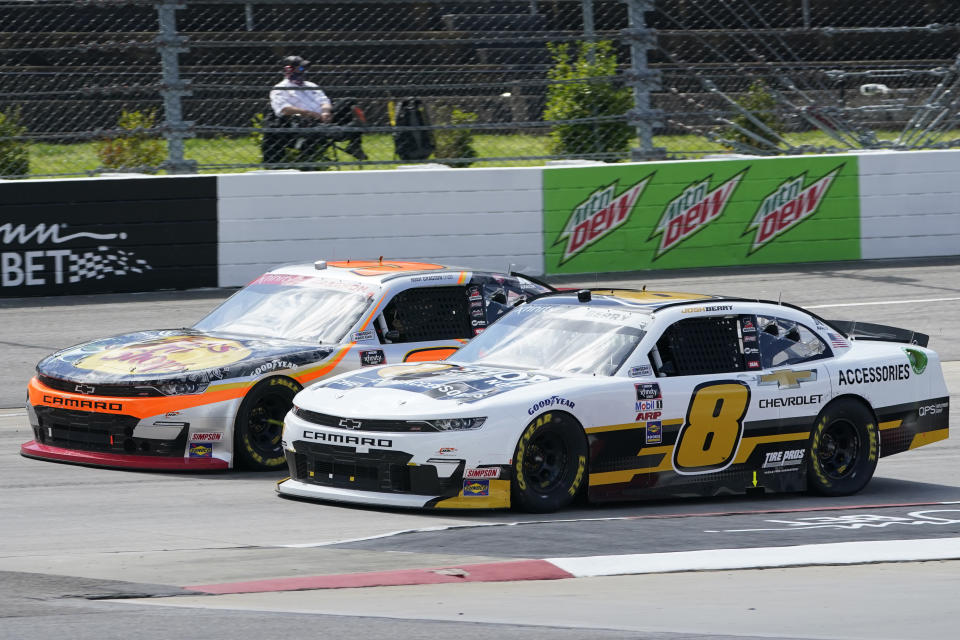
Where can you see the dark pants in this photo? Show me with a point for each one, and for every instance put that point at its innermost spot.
(308, 137)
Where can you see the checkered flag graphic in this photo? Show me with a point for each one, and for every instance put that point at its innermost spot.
(104, 262)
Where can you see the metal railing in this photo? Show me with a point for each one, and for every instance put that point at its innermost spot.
(89, 87)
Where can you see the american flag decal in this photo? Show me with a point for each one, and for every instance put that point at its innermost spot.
(837, 341)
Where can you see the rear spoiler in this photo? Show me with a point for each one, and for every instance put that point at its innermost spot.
(868, 331)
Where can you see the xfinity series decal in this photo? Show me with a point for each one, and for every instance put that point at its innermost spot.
(788, 205)
(598, 216)
(441, 380)
(691, 211)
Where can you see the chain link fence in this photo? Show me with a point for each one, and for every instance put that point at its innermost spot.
(155, 86)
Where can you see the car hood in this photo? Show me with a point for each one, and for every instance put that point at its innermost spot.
(177, 354)
(415, 388)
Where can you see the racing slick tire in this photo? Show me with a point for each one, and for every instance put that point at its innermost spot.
(844, 448)
(549, 463)
(258, 429)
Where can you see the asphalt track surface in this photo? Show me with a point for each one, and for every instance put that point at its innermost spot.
(94, 553)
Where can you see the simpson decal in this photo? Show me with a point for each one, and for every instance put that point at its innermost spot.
(485, 473)
(599, 215)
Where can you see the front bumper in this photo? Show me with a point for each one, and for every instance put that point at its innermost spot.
(34, 449)
(128, 433)
(418, 470)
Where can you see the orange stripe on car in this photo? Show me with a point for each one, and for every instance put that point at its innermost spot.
(42, 395)
(325, 368)
(429, 353)
(372, 315)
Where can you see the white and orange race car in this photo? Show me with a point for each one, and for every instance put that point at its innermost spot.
(214, 396)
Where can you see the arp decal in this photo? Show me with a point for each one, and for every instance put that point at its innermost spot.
(173, 354)
(788, 205)
(599, 215)
(691, 211)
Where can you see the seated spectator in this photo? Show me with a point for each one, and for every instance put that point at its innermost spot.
(297, 103)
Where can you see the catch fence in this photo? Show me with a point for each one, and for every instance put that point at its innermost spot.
(91, 87)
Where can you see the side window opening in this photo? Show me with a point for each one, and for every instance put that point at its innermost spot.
(425, 314)
(696, 346)
(785, 342)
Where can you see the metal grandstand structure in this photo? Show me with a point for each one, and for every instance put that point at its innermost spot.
(688, 78)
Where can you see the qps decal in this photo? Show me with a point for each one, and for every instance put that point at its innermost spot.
(692, 210)
(790, 204)
(99, 236)
(597, 216)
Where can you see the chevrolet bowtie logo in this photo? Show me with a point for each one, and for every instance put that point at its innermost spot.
(84, 388)
(347, 423)
(788, 378)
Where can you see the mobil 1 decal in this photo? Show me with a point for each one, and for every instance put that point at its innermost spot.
(700, 214)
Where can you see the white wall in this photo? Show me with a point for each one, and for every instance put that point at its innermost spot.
(910, 204)
(483, 218)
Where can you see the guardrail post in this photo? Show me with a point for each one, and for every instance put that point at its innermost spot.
(642, 79)
(171, 45)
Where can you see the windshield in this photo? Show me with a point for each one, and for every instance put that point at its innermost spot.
(562, 338)
(290, 310)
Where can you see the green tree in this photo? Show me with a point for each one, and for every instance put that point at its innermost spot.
(14, 154)
(584, 87)
(137, 149)
(457, 143)
(761, 104)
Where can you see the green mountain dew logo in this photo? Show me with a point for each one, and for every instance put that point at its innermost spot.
(789, 205)
(599, 215)
(917, 358)
(691, 211)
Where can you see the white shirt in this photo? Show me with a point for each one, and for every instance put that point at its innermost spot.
(282, 96)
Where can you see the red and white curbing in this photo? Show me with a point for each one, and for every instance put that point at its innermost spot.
(596, 566)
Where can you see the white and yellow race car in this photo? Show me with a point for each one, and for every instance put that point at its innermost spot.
(622, 395)
(214, 396)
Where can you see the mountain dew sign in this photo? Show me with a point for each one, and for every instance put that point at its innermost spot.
(699, 214)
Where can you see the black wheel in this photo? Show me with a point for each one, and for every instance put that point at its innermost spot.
(259, 426)
(549, 463)
(844, 448)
